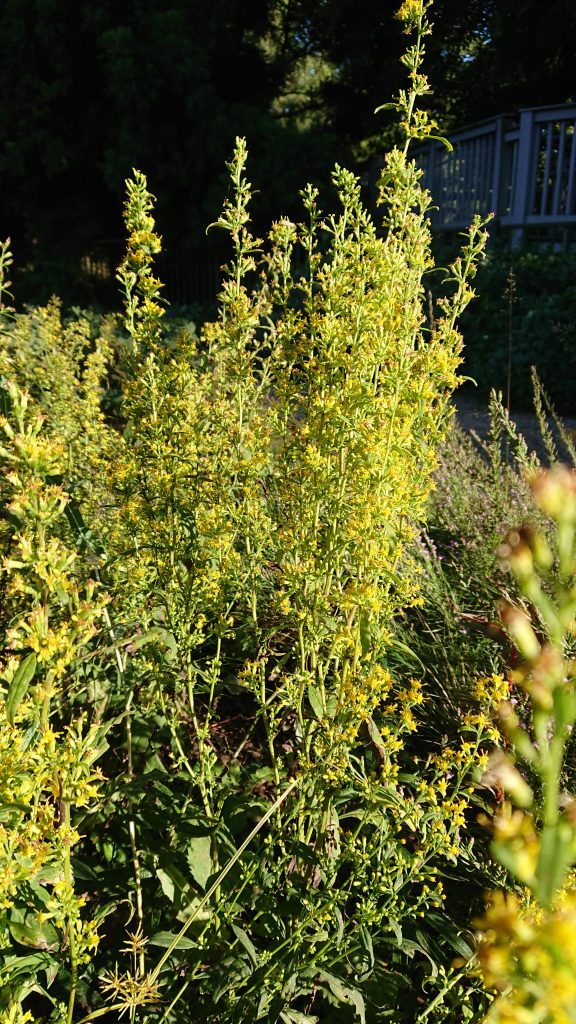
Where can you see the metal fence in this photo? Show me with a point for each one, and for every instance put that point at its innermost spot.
(189, 277)
(523, 170)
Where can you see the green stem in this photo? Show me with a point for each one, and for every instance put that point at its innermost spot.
(69, 883)
(190, 676)
(438, 999)
(132, 832)
(217, 883)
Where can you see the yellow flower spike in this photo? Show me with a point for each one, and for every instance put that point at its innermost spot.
(529, 956)
(503, 918)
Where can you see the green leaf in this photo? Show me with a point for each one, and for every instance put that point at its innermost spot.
(295, 1017)
(174, 883)
(409, 947)
(12, 966)
(554, 861)
(8, 811)
(394, 925)
(340, 922)
(177, 889)
(49, 874)
(167, 883)
(376, 739)
(367, 946)
(396, 645)
(43, 896)
(315, 698)
(331, 705)
(344, 994)
(365, 632)
(34, 934)
(154, 764)
(199, 857)
(18, 687)
(429, 951)
(51, 970)
(165, 939)
(156, 633)
(246, 944)
(459, 945)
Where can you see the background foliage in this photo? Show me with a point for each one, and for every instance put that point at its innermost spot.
(206, 757)
(92, 91)
(243, 751)
(525, 316)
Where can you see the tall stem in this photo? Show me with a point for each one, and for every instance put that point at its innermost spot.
(69, 883)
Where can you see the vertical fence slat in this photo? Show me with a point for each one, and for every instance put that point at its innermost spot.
(477, 148)
(571, 184)
(473, 175)
(547, 170)
(496, 182)
(464, 196)
(511, 180)
(525, 178)
(484, 200)
(559, 177)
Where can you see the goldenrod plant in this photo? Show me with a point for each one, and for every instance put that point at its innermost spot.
(48, 753)
(62, 367)
(265, 845)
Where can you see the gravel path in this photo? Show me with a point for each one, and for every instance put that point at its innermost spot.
(472, 415)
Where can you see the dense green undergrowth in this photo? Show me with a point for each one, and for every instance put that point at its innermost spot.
(524, 316)
(248, 706)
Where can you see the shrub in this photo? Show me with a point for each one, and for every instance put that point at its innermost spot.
(276, 851)
(524, 317)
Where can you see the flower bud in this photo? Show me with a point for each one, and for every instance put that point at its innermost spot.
(502, 774)
(555, 492)
(520, 628)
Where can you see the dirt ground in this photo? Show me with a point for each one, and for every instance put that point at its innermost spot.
(472, 415)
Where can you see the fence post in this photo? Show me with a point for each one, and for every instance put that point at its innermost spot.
(524, 178)
(497, 165)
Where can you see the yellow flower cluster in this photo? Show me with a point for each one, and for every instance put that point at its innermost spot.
(530, 960)
(492, 690)
(36, 780)
(59, 362)
(479, 722)
(52, 615)
(362, 694)
(411, 10)
(464, 759)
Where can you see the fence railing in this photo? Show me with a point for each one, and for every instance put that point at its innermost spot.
(191, 276)
(521, 169)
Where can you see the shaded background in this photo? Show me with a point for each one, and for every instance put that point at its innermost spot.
(92, 89)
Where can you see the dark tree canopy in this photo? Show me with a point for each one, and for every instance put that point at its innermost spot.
(489, 57)
(91, 90)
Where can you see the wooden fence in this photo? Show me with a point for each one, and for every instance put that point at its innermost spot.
(523, 170)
